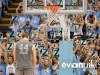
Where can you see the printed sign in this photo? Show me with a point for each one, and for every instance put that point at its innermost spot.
(10, 46)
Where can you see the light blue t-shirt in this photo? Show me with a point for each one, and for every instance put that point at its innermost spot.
(44, 16)
(77, 70)
(35, 21)
(15, 28)
(47, 22)
(98, 30)
(54, 29)
(97, 15)
(55, 71)
(90, 12)
(49, 72)
(37, 69)
(78, 58)
(22, 19)
(3, 68)
(93, 71)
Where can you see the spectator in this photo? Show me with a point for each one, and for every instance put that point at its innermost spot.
(46, 67)
(54, 26)
(10, 67)
(28, 27)
(97, 12)
(77, 25)
(91, 23)
(15, 27)
(3, 7)
(3, 65)
(34, 21)
(4, 49)
(95, 59)
(72, 26)
(55, 66)
(37, 70)
(1, 73)
(20, 16)
(42, 30)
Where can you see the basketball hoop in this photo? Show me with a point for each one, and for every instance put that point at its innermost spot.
(53, 14)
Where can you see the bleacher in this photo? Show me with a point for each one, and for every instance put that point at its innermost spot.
(5, 21)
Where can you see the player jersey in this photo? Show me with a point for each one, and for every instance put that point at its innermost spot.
(24, 54)
(10, 69)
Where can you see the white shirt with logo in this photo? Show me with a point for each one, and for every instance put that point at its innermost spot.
(10, 69)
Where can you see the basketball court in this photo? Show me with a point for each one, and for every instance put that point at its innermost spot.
(58, 9)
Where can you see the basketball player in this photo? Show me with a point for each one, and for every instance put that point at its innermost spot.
(24, 56)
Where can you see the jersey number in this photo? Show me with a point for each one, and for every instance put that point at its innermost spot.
(22, 47)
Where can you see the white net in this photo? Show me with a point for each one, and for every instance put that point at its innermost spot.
(52, 15)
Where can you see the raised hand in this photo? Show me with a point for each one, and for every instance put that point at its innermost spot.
(20, 4)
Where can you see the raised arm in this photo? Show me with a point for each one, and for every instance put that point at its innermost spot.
(34, 58)
(95, 21)
(49, 25)
(18, 24)
(86, 20)
(88, 57)
(14, 53)
(10, 23)
(45, 30)
(20, 4)
(58, 26)
(50, 59)
(82, 22)
(40, 57)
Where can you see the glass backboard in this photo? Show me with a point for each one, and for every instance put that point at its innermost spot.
(67, 6)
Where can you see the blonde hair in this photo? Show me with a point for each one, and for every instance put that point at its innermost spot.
(78, 19)
(46, 58)
(25, 34)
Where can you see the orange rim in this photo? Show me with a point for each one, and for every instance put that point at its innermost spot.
(53, 8)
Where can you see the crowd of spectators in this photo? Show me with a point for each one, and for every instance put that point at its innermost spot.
(45, 34)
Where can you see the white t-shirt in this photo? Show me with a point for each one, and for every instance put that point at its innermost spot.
(78, 30)
(10, 69)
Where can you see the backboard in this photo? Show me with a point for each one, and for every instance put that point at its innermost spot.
(67, 6)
